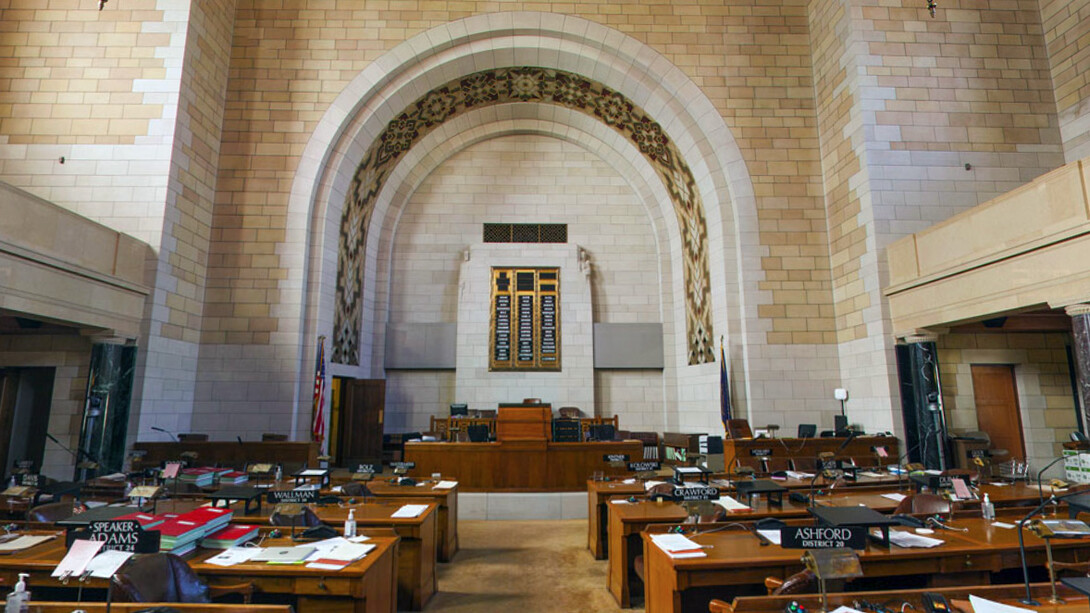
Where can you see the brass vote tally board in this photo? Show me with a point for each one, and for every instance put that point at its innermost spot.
(524, 327)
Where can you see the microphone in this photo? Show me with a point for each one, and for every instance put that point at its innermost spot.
(239, 440)
(158, 429)
(1022, 544)
(1040, 488)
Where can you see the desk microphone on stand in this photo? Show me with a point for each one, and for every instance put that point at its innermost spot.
(1028, 600)
(172, 435)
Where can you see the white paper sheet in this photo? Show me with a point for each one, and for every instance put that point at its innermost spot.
(234, 555)
(794, 474)
(619, 501)
(895, 497)
(313, 472)
(650, 484)
(771, 535)
(678, 546)
(445, 485)
(410, 510)
(106, 563)
(730, 504)
(983, 605)
(1003, 524)
(908, 539)
(78, 557)
(23, 542)
(844, 609)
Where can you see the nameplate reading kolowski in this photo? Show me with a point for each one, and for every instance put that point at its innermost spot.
(696, 493)
(640, 467)
(760, 453)
(119, 535)
(615, 457)
(293, 496)
(822, 537)
(405, 465)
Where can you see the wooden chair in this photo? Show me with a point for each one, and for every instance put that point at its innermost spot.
(802, 582)
(54, 511)
(923, 503)
(164, 577)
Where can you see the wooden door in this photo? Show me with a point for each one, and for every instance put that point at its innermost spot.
(997, 408)
(363, 403)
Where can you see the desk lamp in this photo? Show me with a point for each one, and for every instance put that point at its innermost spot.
(826, 564)
(772, 430)
(291, 510)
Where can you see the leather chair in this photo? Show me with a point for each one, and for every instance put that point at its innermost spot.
(164, 577)
(307, 520)
(805, 465)
(747, 462)
(775, 465)
(923, 503)
(354, 488)
(661, 489)
(738, 428)
(802, 582)
(55, 511)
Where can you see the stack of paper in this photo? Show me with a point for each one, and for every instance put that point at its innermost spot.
(730, 504)
(105, 564)
(212, 519)
(337, 553)
(22, 542)
(678, 546)
(444, 485)
(231, 536)
(201, 477)
(794, 474)
(410, 510)
(234, 477)
(895, 497)
(234, 555)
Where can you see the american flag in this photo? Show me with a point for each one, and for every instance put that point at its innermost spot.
(724, 386)
(318, 430)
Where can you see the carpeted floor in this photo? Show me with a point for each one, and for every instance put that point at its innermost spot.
(523, 567)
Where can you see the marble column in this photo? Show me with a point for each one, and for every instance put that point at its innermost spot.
(1080, 332)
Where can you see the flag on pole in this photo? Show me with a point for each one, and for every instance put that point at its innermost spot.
(724, 386)
(318, 428)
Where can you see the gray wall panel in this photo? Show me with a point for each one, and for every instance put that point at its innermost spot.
(419, 346)
(628, 346)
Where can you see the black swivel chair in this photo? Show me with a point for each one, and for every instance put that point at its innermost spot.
(807, 430)
(478, 433)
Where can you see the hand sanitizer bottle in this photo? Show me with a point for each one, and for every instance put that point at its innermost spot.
(987, 509)
(19, 599)
(350, 524)
(279, 473)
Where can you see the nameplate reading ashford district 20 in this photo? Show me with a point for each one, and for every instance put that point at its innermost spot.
(696, 493)
(760, 453)
(615, 457)
(821, 537)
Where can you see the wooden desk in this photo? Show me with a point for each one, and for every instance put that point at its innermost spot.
(737, 561)
(1007, 594)
(416, 579)
(447, 510)
(134, 607)
(520, 466)
(627, 521)
(365, 586)
(858, 447)
(229, 453)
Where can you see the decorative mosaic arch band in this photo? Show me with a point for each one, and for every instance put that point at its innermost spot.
(525, 84)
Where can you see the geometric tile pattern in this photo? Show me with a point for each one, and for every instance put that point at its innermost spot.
(509, 85)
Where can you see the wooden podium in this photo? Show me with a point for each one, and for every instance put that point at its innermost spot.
(524, 422)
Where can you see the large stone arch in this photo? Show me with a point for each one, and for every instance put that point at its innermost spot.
(617, 62)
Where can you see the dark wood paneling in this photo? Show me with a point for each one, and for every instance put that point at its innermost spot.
(362, 408)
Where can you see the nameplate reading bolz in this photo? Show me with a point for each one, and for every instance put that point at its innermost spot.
(405, 465)
(823, 537)
(293, 496)
(30, 480)
(760, 453)
(978, 453)
(119, 535)
(24, 464)
(696, 493)
(639, 467)
(615, 457)
(367, 468)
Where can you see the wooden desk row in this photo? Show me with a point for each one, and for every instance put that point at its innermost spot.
(365, 586)
(737, 562)
(626, 522)
(521, 466)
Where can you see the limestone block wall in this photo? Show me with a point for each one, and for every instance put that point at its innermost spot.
(70, 355)
(1066, 27)
(1042, 379)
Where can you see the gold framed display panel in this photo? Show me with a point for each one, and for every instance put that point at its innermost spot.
(524, 319)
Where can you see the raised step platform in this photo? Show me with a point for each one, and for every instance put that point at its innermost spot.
(530, 505)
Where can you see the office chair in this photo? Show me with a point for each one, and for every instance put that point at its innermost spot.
(923, 503)
(802, 582)
(164, 577)
(308, 519)
(807, 430)
(478, 433)
(355, 488)
(54, 511)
